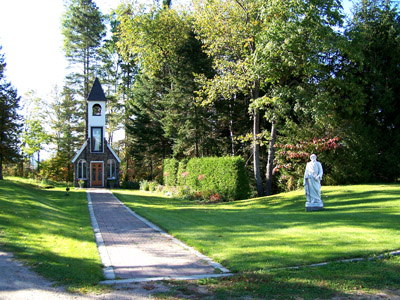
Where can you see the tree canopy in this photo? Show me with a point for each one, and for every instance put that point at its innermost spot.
(271, 81)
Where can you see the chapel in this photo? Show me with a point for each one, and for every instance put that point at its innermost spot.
(96, 163)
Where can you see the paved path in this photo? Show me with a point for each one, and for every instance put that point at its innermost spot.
(133, 249)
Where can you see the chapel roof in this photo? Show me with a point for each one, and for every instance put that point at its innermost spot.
(97, 93)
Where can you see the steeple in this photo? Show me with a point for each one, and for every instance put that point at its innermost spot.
(96, 93)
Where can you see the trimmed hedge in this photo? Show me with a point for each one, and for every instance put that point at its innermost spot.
(182, 174)
(170, 170)
(211, 175)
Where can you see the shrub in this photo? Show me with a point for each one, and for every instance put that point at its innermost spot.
(144, 185)
(170, 170)
(153, 186)
(223, 175)
(216, 197)
(133, 185)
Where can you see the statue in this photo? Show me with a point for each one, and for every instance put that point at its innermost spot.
(312, 184)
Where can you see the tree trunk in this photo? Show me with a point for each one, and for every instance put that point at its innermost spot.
(255, 92)
(231, 125)
(271, 156)
(256, 153)
(196, 138)
(38, 161)
(1, 167)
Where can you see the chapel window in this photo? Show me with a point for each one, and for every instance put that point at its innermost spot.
(97, 139)
(111, 168)
(82, 166)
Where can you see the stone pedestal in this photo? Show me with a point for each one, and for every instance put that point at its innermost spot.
(314, 208)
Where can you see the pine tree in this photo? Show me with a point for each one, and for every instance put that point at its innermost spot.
(83, 29)
(10, 120)
(66, 133)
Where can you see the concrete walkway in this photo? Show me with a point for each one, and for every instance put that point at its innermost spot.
(133, 250)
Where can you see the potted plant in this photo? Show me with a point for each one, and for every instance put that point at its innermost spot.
(81, 183)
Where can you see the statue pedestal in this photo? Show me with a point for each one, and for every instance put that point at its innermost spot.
(314, 208)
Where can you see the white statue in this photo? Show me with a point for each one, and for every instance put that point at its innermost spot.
(312, 184)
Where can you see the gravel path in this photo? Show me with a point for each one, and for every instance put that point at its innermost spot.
(17, 282)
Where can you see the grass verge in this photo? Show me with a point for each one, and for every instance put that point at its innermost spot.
(256, 237)
(51, 232)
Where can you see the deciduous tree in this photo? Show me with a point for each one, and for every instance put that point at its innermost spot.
(269, 50)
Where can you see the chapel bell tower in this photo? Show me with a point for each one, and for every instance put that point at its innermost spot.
(96, 127)
(96, 164)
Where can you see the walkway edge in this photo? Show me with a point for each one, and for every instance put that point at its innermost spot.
(190, 249)
(135, 280)
(108, 270)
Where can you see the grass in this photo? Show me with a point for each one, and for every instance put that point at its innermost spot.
(256, 237)
(51, 232)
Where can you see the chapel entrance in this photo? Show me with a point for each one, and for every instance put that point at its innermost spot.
(97, 174)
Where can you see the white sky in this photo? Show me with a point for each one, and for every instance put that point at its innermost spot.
(31, 38)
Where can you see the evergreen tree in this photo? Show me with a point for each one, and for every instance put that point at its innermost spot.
(65, 130)
(83, 29)
(10, 120)
(149, 146)
(375, 120)
(117, 78)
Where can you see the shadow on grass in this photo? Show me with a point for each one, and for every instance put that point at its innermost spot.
(60, 269)
(338, 279)
(49, 231)
(34, 210)
(276, 231)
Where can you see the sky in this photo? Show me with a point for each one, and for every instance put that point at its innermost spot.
(31, 39)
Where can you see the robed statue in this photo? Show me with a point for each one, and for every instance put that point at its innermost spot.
(312, 184)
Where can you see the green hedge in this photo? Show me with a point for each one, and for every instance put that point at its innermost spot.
(170, 170)
(182, 174)
(224, 175)
(209, 175)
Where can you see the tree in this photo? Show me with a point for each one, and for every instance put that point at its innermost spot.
(164, 46)
(373, 123)
(10, 120)
(65, 133)
(268, 50)
(34, 136)
(83, 29)
(117, 78)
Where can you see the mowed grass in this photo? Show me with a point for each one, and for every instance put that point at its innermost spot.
(50, 232)
(257, 237)
(274, 232)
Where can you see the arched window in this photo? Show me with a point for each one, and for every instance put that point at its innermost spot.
(111, 168)
(96, 110)
(82, 166)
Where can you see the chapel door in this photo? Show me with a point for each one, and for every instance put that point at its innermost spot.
(97, 174)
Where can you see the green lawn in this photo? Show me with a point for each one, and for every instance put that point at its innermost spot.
(50, 231)
(254, 237)
(274, 232)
